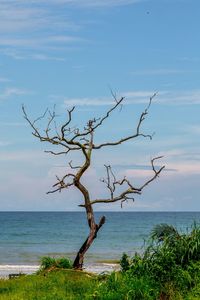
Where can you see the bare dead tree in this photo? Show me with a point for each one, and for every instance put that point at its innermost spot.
(70, 139)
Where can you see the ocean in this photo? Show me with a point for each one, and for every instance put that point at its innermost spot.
(28, 236)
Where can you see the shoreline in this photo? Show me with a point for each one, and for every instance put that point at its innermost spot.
(96, 268)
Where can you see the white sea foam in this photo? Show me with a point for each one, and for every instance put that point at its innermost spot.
(99, 268)
(96, 268)
(5, 270)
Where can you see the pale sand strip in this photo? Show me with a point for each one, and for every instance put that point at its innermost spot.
(96, 268)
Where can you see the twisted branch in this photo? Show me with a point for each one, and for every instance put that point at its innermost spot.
(130, 190)
(133, 136)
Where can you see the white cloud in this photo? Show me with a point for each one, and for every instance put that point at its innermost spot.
(12, 91)
(165, 97)
(39, 42)
(185, 162)
(139, 97)
(33, 25)
(45, 57)
(98, 3)
(43, 25)
(80, 3)
(88, 101)
(130, 97)
(21, 55)
(188, 168)
(180, 97)
(23, 16)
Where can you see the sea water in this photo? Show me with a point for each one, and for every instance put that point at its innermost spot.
(28, 236)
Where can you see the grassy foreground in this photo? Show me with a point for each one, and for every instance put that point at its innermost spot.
(69, 284)
(169, 269)
(55, 285)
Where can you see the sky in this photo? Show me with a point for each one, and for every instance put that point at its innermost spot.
(75, 52)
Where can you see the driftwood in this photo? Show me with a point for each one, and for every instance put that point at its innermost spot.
(15, 275)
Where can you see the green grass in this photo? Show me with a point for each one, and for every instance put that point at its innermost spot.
(48, 262)
(56, 285)
(169, 269)
(75, 285)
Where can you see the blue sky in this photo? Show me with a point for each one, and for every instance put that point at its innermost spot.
(72, 53)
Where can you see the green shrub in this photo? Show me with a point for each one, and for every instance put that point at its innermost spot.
(63, 263)
(124, 262)
(47, 262)
(171, 262)
(51, 262)
(123, 286)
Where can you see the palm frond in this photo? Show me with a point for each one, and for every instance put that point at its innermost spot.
(162, 231)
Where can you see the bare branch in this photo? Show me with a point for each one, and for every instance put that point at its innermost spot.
(60, 184)
(55, 140)
(118, 102)
(32, 124)
(63, 128)
(115, 97)
(71, 138)
(56, 153)
(131, 190)
(156, 172)
(133, 136)
(52, 117)
(73, 167)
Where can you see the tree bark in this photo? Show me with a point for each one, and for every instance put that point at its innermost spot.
(78, 262)
(81, 140)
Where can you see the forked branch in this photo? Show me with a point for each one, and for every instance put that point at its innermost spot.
(129, 189)
(138, 132)
(61, 184)
(67, 138)
(72, 139)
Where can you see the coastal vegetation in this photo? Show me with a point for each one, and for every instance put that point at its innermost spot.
(168, 269)
(48, 263)
(67, 139)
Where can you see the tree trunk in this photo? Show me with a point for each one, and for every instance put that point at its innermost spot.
(78, 262)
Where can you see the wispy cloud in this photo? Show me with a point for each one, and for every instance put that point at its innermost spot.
(190, 97)
(12, 91)
(181, 167)
(44, 25)
(44, 57)
(88, 101)
(141, 97)
(187, 168)
(140, 167)
(180, 97)
(35, 26)
(99, 3)
(190, 156)
(18, 54)
(39, 42)
(79, 3)
(134, 96)
(23, 16)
